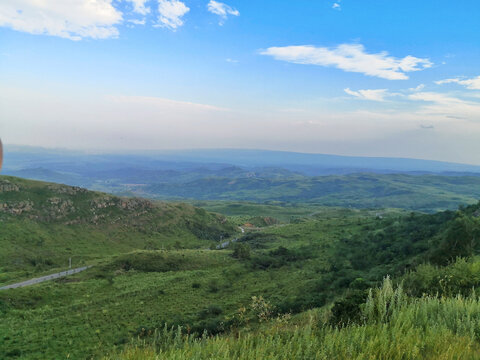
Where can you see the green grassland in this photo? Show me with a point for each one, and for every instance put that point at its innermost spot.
(427, 193)
(153, 268)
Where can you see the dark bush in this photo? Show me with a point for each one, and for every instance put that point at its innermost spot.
(347, 310)
(213, 286)
(241, 251)
(210, 311)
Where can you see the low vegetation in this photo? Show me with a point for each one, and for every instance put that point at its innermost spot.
(390, 325)
(285, 289)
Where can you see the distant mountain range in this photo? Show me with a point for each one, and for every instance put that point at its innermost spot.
(22, 157)
(256, 175)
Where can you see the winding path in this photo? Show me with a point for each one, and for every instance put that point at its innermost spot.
(227, 243)
(45, 278)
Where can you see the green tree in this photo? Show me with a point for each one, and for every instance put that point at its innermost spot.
(241, 251)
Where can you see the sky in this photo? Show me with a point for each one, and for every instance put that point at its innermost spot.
(349, 77)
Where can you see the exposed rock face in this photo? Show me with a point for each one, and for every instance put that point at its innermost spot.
(136, 204)
(102, 203)
(125, 204)
(6, 186)
(17, 208)
(58, 206)
(68, 190)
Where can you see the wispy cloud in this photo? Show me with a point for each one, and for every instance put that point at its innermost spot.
(139, 7)
(417, 88)
(74, 19)
(164, 103)
(351, 58)
(447, 105)
(222, 10)
(171, 13)
(373, 95)
(337, 6)
(472, 84)
(138, 21)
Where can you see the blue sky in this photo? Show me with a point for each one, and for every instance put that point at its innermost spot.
(374, 78)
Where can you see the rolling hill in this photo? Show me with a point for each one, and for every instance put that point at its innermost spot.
(44, 224)
(257, 176)
(412, 192)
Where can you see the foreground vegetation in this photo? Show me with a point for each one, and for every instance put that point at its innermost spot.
(293, 287)
(391, 325)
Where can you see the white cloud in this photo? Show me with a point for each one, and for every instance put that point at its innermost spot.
(374, 95)
(171, 13)
(351, 58)
(222, 10)
(139, 7)
(138, 21)
(71, 19)
(336, 6)
(448, 106)
(418, 88)
(472, 84)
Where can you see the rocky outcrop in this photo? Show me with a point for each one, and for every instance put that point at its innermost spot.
(17, 208)
(72, 205)
(58, 207)
(6, 186)
(124, 204)
(68, 190)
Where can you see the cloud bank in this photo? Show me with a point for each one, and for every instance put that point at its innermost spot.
(70, 19)
(80, 19)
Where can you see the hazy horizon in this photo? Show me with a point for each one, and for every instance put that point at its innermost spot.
(328, 77)
(159, 152)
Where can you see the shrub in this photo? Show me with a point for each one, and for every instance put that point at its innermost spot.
(210, 311)
(213, 286)
(348, 309)
(241, 251)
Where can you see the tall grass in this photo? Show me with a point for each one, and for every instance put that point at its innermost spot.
(393, 326)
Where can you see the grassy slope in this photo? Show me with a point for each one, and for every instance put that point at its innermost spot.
(92, 312)
(294, 266)
(393, 326)
(42, 225)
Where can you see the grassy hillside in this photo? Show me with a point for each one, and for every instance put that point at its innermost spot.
(391, 325)
(288, 268)
(44, 224)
